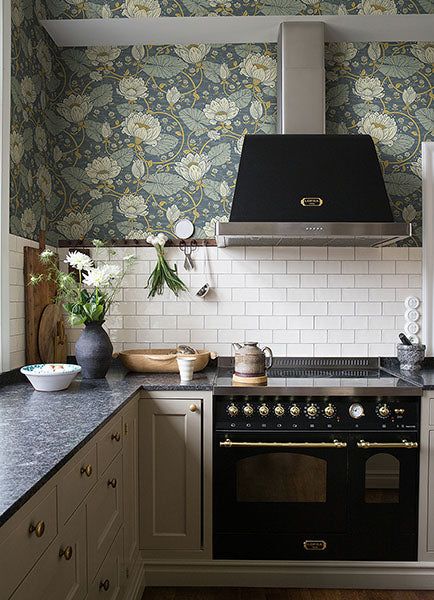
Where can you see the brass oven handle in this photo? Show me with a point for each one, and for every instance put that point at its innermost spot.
(334, 444)
(403, 444)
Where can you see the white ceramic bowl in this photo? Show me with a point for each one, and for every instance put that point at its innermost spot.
(45, 379)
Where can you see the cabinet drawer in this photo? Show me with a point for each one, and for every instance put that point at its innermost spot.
(61, 572)
(27, 542)
(79, 478)
(104, 514)
(108, 582)
(109, 444)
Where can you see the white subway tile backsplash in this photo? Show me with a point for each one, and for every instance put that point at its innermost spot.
(272, 294)
(301, 301)
(314, 308)
(382, 266)
(355, 267)
(299, 266)
(313, 253)
(328, 266)
(313, 281)
(340, 281)
(327, 322)
(328, 294)
(286, 308)
(341, 308)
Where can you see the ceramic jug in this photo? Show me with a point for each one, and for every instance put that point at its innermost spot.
(251, 360)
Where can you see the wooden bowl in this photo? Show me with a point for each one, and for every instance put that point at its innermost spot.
(159, 360)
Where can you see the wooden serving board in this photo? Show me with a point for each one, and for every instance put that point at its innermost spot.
(36, 298)
(51, 335)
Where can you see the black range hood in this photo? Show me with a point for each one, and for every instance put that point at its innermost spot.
(303, 187)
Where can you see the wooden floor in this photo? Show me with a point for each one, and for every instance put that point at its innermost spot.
(279, 594)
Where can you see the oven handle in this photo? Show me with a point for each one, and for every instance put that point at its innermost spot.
(403, 444)
(334, 444)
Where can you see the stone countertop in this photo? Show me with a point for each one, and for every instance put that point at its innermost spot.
(41, 431)
(423, 378)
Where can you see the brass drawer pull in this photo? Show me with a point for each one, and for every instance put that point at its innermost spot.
(112, 482)
(37, 529)
(86, 470)
(104, 585)
(66, 553)
(116, 436)
(193, 408)
(403, 444)
(334, 444)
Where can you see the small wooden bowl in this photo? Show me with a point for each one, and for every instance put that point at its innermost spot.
(159, 360)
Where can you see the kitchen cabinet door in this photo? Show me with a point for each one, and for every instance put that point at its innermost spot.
(170, 459)
(130, 484)
(61, 572)
(104, 514)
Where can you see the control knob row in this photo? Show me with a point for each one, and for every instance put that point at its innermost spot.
(312, 410)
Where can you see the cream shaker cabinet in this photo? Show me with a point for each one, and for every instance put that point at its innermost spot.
(170, 467)
(67, 541)
(61, 572)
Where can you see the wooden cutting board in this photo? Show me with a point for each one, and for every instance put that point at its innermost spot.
(36, 299)
(51, 335)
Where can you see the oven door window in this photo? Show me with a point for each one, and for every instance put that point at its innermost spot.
(281, 477)
(382, 479)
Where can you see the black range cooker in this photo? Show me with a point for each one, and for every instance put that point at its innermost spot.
(322, 463)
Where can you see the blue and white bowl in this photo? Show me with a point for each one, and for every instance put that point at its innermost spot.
(51, 377)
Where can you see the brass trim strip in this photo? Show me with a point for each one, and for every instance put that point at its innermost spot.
(334, 444)
(403, 444)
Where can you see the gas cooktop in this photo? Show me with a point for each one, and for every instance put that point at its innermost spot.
(318, 376)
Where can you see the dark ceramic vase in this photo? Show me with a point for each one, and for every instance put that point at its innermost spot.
(93, 351)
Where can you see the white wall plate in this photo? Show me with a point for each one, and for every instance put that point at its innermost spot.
(412, 328)
(412, 302)
(412, 314)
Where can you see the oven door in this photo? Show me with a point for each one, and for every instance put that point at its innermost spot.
(384, 482)
(276, 484)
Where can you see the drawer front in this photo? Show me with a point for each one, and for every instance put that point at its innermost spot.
(109, 444)
(61, 572)
(77, 482)
(108, 582)
(27, 542)
(104, 515)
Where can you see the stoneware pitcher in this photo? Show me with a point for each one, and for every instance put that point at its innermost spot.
(252, 361)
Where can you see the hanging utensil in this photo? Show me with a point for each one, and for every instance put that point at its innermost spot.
(187, 250)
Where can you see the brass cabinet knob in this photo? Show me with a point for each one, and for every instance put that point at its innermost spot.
(116, 436)
(193, 408)
(112, 482)
(86, 470)
(66, 553)
(104, 585)
(37, 529)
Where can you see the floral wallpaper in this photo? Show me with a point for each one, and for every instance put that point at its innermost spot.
(114, 142)
(386, 90)
(79, 9)
(32, 87)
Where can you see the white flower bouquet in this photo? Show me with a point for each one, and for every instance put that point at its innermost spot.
(163, 274)
(87, 293)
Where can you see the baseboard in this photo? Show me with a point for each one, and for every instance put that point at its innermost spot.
(416, 576)
(136, 582)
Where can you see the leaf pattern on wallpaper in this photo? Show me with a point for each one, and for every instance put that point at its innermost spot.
(386, 91)
(156, 132)
(79, 9)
